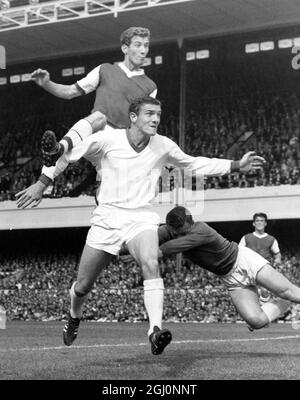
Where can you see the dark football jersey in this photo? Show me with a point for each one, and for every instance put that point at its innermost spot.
(203, 246)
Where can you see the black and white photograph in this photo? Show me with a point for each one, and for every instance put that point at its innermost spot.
(149, 195)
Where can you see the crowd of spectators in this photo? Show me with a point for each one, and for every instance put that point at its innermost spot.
(224, 104)
(27, 113)
(37, 288)
(259, 95)
(275, 121)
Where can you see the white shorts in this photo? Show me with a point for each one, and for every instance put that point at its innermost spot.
(112, 226)
(245, 269)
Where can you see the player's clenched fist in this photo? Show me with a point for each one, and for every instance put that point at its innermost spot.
(40, 76)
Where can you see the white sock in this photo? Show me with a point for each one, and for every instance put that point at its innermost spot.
(81, 130)
(275, 308)
(76, 303)
(154, 301)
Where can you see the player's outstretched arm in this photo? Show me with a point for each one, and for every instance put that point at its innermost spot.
(32, 195)
(42, 78)
(201, 165)
(211, 166)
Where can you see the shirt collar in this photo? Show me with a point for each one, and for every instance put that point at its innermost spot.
(128, 72)
(260, 236)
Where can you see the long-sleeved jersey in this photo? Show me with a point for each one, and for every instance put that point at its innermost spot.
(128, 177)
(203, 246)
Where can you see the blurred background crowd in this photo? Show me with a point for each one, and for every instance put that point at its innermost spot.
(36, 287)
(230, 108)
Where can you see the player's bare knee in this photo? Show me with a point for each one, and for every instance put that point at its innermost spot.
(258, 321)
(97, 121)
(82, 287)
(150, 268)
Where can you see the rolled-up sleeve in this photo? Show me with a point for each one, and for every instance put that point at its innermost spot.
(90, 82)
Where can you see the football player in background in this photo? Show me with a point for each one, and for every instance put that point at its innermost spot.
(264, 244)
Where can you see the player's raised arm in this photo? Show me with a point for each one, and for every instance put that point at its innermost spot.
(42, 78)
(86, 85)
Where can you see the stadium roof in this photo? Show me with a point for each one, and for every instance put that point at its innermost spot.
(190, 18)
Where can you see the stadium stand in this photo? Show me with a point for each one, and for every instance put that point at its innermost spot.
(223, 104)
(36, 288)
(36, 275)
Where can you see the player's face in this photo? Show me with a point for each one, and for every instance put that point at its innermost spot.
(184, 230)
(148, 119)
(137, 51)
(260, 224)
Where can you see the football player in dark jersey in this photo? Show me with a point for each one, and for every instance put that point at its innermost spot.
(116, 85)
(265, 245)
(240, 268)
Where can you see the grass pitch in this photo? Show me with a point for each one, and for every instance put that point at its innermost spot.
(121, 351)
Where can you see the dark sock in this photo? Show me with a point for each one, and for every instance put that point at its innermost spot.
(60, 149)
(68, 145)
(78, 294)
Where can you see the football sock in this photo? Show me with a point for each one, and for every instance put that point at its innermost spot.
(81, 130)
(77, 301)
(275, 308)
(153, 300)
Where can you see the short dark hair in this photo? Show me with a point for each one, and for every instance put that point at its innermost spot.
(136, 104)
(127, 35)
(260, 215)
(178, 216)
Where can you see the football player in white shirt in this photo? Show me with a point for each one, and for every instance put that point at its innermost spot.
(130, 161)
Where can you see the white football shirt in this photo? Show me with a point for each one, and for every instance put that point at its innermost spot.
(129, 178)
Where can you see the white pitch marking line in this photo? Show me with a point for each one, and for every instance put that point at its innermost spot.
(95, 346)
